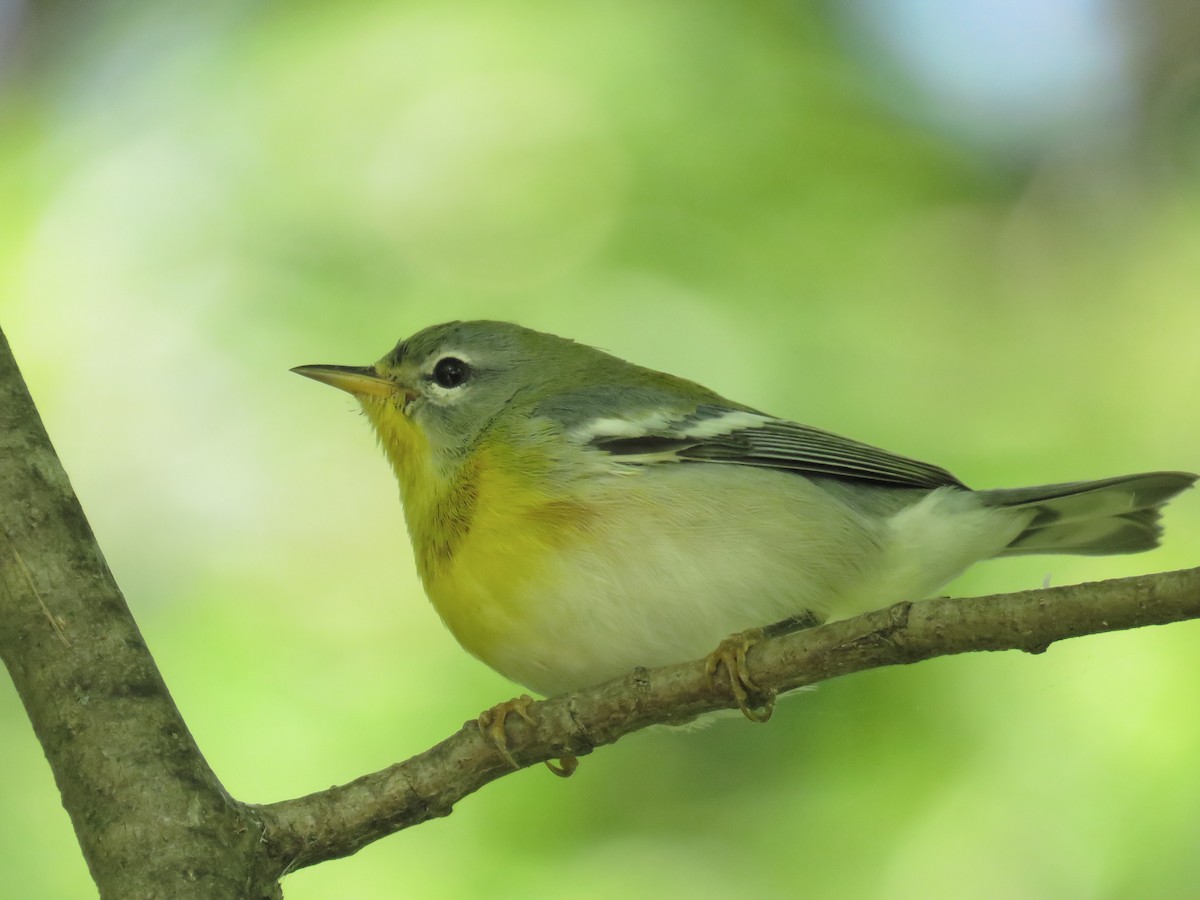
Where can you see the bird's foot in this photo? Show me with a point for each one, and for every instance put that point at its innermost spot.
(491, 724)
(756, 703)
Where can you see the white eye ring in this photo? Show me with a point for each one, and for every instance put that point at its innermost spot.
(448, 377)
(450, 372)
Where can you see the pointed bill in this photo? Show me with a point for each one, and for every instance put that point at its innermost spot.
(361, 381)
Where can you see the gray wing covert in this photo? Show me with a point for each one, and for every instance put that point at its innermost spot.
(755, 439)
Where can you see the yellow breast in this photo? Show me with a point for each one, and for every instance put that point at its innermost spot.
(480, 533)
(480, 583)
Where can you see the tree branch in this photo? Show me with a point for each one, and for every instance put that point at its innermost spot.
(152, 818)
(341, 820)
(149, 814)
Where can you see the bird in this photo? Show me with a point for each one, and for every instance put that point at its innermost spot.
(574, 516)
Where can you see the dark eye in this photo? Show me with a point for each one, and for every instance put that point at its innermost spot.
(451, 372)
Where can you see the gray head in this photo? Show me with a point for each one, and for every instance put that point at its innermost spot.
(452, 380)
(460, 375)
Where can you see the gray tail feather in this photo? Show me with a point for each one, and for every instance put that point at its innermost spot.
(1094, 518)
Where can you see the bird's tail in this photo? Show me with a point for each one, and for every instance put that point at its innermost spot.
(1093, 518)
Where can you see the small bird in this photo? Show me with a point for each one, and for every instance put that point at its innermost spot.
(574, 515)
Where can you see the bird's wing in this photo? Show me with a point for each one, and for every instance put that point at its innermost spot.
(716, 434)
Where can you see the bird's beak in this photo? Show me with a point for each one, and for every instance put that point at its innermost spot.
(361, 381)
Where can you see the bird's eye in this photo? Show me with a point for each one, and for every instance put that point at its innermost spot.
(451, 371)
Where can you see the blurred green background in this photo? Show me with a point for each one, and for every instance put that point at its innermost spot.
(971, 235)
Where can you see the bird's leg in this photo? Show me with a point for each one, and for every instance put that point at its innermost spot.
(755, 703)
(491, 724)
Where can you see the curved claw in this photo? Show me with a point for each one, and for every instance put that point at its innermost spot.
(491, 724)
(756, 703)
(566, 766)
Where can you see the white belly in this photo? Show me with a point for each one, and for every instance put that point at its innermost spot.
(660, 579)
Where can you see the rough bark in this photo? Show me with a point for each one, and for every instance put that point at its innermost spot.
(151, 817)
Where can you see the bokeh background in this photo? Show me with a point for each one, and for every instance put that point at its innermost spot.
(968, 232)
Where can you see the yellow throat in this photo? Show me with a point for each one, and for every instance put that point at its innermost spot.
(479, 534)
